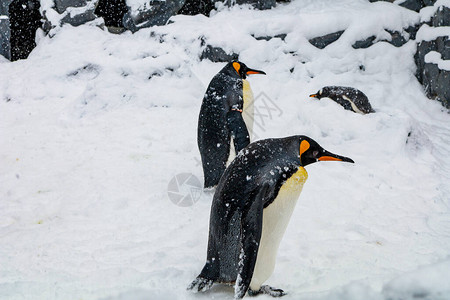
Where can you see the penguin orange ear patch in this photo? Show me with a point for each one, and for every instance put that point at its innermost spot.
(236, 66)
(304, 145)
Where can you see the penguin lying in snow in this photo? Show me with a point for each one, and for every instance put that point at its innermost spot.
(349, 98)
(222, 128)
(251, 209)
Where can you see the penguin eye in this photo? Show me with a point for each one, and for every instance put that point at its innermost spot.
(315, 153)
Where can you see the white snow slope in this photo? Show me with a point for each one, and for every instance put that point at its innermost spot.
(89, 141)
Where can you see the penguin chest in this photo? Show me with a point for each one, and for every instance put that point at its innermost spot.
(249, 107)
(247, 114)
(276, 217)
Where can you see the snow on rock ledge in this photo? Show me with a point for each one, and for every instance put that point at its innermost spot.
(434, 57)
(433, 52)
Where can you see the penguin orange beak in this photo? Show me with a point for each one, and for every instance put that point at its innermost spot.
(314, 96)
(251, 71)
(328, 156)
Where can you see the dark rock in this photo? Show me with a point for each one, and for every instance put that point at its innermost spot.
(364, 43)
(263, 38)
(158, 13)
(79, 19)
(217, 54)
(258, 4)
(397, 39)
(4, 7)
(24, 19)
(443, 88)
(281, 36)
(412, 31)
(112, 11)
(195, 7)
(428, 2)
(323, 41)
(437, 83)
(422, 49)
(415, 5)
(443, 47)
(441, 17)
(430, 75)
(62, 5)
(5, 36)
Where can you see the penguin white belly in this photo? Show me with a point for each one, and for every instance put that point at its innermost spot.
(248, 111)
(247, 114)
(276, 217)
(232, 154)
(355, 108)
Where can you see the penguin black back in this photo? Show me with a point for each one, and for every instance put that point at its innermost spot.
(348, 97)
(221, 118)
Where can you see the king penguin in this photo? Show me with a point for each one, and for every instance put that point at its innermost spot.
(225, 121)
(348, 97)
(251, 208)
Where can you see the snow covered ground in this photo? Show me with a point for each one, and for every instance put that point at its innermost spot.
(94, 126)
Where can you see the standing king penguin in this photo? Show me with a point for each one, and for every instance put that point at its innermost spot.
(223, 130)
(251, 209)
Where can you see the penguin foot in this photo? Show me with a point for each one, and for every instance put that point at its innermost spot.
(200, 284)
(267, 290)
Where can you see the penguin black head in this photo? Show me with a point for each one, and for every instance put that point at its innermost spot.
(243, 70)
(310, 152)
(320, 94)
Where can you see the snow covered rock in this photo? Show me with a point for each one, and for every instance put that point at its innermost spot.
(151, 13)
(77, 19)
(433, 52)
(217, 54)
(415, 5)
(62, 5)
(323, 41)
(258, 4)
(442, 17)
(5, 35)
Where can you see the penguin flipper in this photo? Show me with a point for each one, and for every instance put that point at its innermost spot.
(238, 129)
(251, 231)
